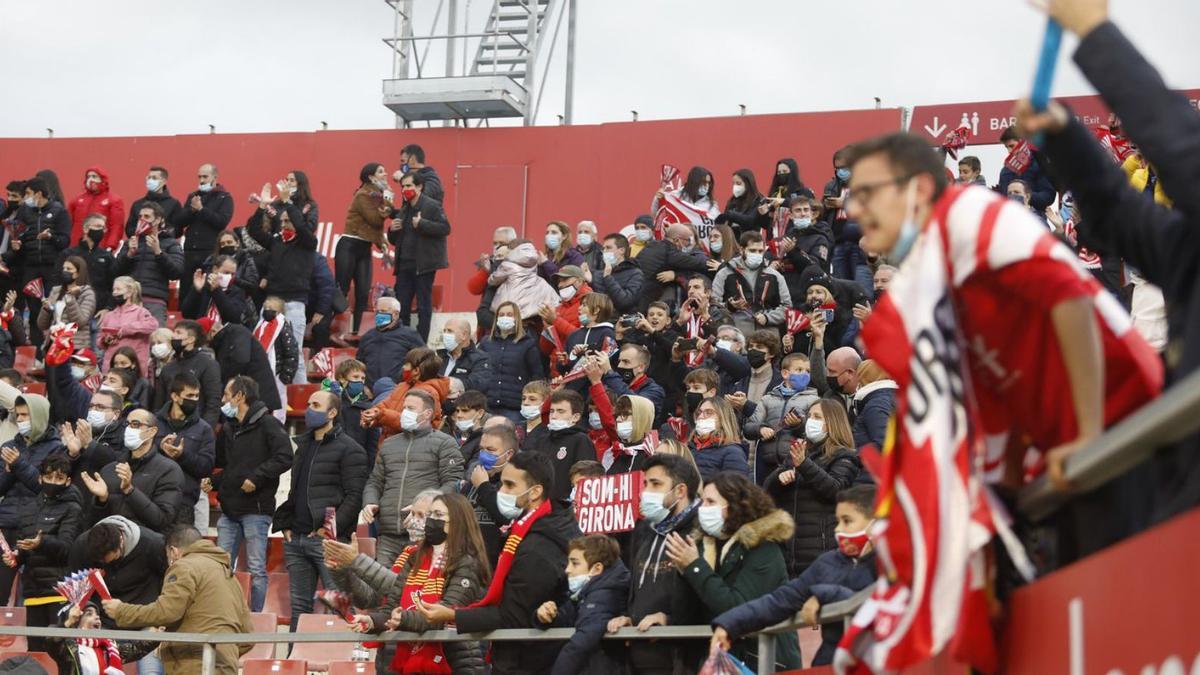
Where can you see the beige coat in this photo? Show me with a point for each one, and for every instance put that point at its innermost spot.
(199, 595)
(78, 308)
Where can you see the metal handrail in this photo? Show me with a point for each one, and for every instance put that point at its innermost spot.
(1172, 417)
(837, 611)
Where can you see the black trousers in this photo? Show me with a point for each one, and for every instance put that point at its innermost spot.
(409, 284)
(352, 263)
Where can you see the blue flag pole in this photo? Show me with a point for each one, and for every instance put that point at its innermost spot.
(1043, 78)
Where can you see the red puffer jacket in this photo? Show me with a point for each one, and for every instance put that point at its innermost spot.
(99, 199)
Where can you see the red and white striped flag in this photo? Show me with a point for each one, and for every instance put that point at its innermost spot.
(671, 179)
(796, 320)
(34, 288)
(92, 382)
(1020, 158)
(323, 362)
(673, 208)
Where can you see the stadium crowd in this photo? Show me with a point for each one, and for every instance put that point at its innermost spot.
(718, 356)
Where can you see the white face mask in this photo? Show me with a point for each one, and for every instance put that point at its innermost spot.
(567, 292)
(716, 246)
(506, 504)
(410, 420)
(558, 425)
(712, 521)
(576, 583)
(23, 428)
(706, 427)
(506, 323)
(133, 439)
(97, 419)
(610, 258)
(205, 187)
(727, 345)
(161, 350)
(224, 279)
(449, 341)
(585, 239)
(814, 430)
(594, 420)
(553, 241)
(652, 507)
(78, 373)
(644, 234)
(625, 430)
(754, 260)
(464, 425)
(738, 190)
(531, 411)
(152, 184)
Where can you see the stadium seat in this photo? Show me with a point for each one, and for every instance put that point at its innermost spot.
(351, 667)
(38, 388)
(173, 296)
(172, 319)
(319, 654)
(129, 668)
(264, 622)
(337, 354)
(366, 545)
(297, 398)
(44, 660)
(24, 358)
(279, 599)
(274, 667)
(275, 562)
(243, 579)
(12, 616)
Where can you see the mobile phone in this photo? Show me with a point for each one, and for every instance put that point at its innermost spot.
(688, 344)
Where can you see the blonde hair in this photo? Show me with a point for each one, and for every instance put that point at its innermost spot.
(727, 424)
(135, 289)
(870, 371)
(671, 446)
(518, 329)
(837, 427)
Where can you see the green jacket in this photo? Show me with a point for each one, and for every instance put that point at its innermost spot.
(750, 565)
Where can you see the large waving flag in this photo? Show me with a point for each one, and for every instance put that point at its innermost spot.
(673, 208)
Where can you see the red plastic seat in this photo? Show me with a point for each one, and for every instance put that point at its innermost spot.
(38, 388)
(297, 398)
(264, 622)
(44, 660)
(351, 667)
(24, 358)
(129, 668)
(172, 319)
(12, 616)
(243, 579)
(320, 654)
(279, 599)
(274, 667)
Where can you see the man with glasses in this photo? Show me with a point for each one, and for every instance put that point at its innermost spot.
(142, 484)
(93, 443)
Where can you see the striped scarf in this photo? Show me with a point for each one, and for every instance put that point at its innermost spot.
(108, 657)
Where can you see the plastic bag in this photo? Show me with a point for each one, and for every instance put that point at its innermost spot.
(724, 663)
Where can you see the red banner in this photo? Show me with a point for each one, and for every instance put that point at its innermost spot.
(608, 504)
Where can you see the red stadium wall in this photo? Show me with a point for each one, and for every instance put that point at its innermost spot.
(519, 176)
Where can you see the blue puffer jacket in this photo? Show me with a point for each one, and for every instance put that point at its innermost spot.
(831, 578)
(21, 483)
(714, 459)
(511, 364)
(602, 598)
(875, 403)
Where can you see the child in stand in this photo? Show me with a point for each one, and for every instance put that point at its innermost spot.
(597, 585)
(533, 396)
(832, 577)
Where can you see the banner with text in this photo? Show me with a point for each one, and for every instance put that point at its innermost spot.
(608, 504)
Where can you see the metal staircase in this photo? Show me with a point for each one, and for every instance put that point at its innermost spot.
(500, 80)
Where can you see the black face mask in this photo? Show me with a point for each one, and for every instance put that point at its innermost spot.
(177, 345)
(51, 490)
(757, 358)
(269, 314)
(229, 250)
(694, 399)
(118, 300)
(833, 383)
(188, 406)
(448, 407)
(67, 277)
(879, 294)
(626, 374)
(435, 531)
(95, 236)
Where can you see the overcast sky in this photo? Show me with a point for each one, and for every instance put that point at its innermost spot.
(130, 67)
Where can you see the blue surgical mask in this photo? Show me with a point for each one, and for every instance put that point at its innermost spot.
(1066, 213)
(584, 319)
(575, 584)
(152, 184)
(843, 174)
(558, 425)
(652, 507)
(643, 233)
(754, 260)
(506, 323)
(206, 187)
(553, 241)
(802, 223)
(594, 420)
(315, 419)
(78, 373)
(585, 239)
(488, 460)
(716, 246)
(383, 320)
(908, 230)
(229, 409)
(610, 258)
(799, 381)
(355, 389)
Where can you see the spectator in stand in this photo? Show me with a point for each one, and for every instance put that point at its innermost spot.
(128, 323)
(725, 357)
(516, 280)
(34, 253)
(97, 197)
(840, 373)
(187, 344)
(466, 423)
(565, 443)
(834, 576)
(617, 276)
(72, 302)
(787, 184)
(161, 353)
(47, 526)
(847, 260)
(412, 160)
(758, 295)
(559, 252)
(246, 275)
(764, 375)
(633, 418)
(351, 377)
(970, 171)
(417, 458)
(105, 654)
(747, 210)
(819, 465)
(384, 347)
(10, 382)
(460, 356)
(36, 440)
(662, 261)
(698, 191)
(288, 274)
(371, 206)
(631, 378)
(324, 302)
(421, 372)
(808, 241)
(1039, 191)
(100, 261)
(738, 556)
(329, 472)
(154, 259)
(513, 360)
(156, 193)
(716, 439)
(141, 484)
(643, 233)
(587, 243)
(418, 234)
(126, 359)
(478, 283)
(93, 442)
(278, 340)
(564, 318)
(658, 596)
(64, 386)
(722, 245)
(874, 403)
(203, 216)
(824, 293)
(778, 419)
(883, 279)
(595, 330)
(299, 192)
(1018, 191)
(216, 296)
(239, 353)
(53, 184)
(530, 570)
(253, 451)
(497, 445)
(188, 440)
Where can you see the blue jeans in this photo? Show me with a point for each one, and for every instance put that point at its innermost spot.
(254, 529)
(409, 284)
(150, 664)
(305, 560)
(849, 262)
(294, 312)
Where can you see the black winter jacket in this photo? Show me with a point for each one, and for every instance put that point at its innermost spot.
(337, 472)
(199, 450)
(257, 449)
(59, 520)
(157, 491)
(163, 198)
(101, 265)
(52, 218)
(232, 304)
(468, 367)
(871, 422)
(366, 437)
(205, 368)
(153, 272)
(623, 286)
(603, 597)
(511, 365)
(137, 575)
(239, 353)
(564, 447)
(423, 248)
(202, 228)
(383, 351)
(289, 267)
(536, 576)
(811, 499)
(21, 483)
(661, 256)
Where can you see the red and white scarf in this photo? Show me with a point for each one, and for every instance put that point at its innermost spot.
(267, 332)
(99, 656)
(516, 534)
